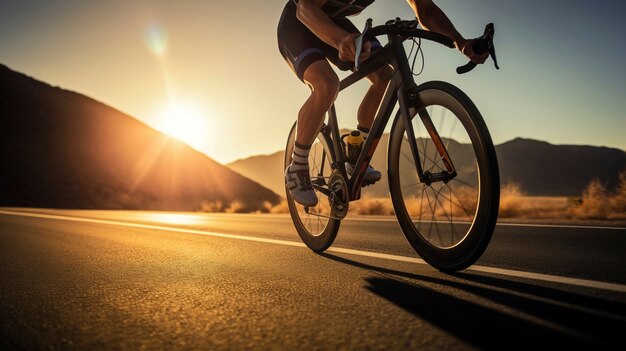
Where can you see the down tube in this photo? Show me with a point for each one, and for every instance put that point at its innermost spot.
(382, 117)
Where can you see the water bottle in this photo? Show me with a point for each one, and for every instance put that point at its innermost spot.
(355, 144)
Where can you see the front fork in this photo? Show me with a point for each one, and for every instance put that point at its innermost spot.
(409, 97)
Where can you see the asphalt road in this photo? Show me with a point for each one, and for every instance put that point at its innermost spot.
(152, 280)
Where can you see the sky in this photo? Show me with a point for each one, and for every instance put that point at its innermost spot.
(562, 77)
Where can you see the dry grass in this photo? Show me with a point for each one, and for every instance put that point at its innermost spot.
(372, 206)
(596, 203)
(224, 207)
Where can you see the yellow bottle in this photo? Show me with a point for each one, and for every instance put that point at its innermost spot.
(355, 143)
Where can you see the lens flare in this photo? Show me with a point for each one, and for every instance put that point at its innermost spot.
(186, 122)
(156, 37)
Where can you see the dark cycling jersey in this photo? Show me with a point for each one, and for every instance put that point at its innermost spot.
(343, 8)
(300, 47)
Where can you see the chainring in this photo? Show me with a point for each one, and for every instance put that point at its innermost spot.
(339, 198)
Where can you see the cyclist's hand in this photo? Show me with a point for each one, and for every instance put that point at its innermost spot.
(466, 46)
(347, 49)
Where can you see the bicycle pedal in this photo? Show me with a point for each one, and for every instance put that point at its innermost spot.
(367, 183)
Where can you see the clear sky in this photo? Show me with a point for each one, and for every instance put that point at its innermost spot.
(562, 77)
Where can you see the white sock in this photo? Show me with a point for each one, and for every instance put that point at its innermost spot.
(300, 158)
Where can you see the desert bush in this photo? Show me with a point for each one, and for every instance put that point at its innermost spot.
(618, 201)
(281, 207)
(211, 206)
(372, 206)
(236, 207)
(595, 202)
(511, 201)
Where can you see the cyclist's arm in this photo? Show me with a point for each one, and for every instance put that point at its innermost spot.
(432, 18)
(310, 13)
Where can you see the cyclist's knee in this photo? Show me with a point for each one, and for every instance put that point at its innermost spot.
(324, 82)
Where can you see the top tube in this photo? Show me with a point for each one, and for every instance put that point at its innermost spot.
(401, 29)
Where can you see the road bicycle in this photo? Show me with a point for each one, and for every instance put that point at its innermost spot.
(442, 168)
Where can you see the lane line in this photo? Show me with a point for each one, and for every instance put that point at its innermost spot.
(500, 271)
(503, 224)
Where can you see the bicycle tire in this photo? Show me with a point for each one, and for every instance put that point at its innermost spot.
(317, 233)
(458, 255)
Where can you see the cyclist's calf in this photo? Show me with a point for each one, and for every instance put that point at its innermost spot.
(367, 110)
(382, 76)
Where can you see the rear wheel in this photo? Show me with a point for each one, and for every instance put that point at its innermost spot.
(449, 224)
(317, 225)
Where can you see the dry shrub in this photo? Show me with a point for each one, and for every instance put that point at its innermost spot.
(618, 201)
(212, 206)
(281, 207)
(458, 204)
(594, 202)
(464, 201)
(511, 203)
(223, 207)
(598, 203)
(236, 207)
(372, 206)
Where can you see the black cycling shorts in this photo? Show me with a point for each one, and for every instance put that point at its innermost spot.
(300, 47)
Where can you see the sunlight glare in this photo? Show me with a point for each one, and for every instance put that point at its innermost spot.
(174, 218)
(185, 122)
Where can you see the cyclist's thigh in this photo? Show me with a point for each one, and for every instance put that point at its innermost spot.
(297, 44)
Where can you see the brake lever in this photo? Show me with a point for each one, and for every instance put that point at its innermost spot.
(482, 45)
(358, 43)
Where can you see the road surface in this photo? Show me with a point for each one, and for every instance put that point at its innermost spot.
(159, 280)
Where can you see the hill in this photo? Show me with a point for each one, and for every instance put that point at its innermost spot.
(538, 167)
(62, 149)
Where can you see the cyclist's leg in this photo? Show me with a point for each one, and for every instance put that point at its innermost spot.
(367, 113)
(307, 56)
(324, 84)
(371, 101)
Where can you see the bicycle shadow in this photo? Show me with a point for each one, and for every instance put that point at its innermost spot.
(548, 316)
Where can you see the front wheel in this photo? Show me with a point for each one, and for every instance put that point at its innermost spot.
(448, 223)
(317, 226)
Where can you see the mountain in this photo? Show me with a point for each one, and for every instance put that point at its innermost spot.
(263, 169)
(61, 149)
(545, 169)
(540, 168)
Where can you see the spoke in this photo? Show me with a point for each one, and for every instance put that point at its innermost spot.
(450, 215)
(452, 230)
(436, 195)
(425, 158)
(433, 218)
(460, 205)
(410, 185)
(436, 159)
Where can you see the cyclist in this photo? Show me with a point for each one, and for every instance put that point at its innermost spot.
(313, 32)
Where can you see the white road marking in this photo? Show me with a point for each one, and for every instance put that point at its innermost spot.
(503, 224)
(507, 272)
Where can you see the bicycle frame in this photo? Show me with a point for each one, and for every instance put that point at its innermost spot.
(401, 89)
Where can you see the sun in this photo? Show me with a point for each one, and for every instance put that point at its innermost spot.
(185, 122)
